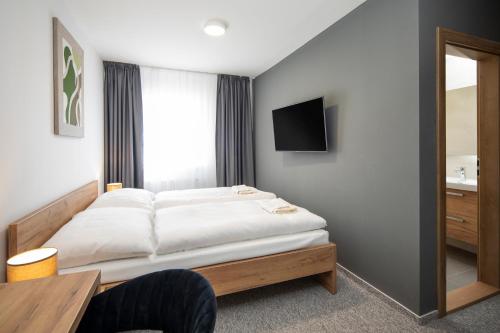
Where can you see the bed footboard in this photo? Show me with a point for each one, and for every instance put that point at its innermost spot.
(231, 277)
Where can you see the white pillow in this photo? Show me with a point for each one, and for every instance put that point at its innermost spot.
(127, 197)
(102, 234)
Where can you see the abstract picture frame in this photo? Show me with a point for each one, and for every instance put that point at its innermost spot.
(68, 59)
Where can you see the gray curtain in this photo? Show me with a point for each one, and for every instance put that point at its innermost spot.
(123, 127)
(234, 131)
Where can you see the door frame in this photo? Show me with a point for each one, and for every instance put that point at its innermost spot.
(475, 47)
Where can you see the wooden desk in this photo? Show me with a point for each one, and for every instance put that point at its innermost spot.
(54, 304)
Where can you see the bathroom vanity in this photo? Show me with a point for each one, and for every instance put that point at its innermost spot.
(462, 214)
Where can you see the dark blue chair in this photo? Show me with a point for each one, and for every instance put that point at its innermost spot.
(172, 301)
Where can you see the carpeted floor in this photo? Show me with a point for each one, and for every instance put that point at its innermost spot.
(304, 306)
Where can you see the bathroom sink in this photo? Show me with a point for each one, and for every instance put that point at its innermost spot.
(456, 183)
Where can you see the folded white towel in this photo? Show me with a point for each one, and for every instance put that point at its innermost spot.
(277, 206)
(243, 189)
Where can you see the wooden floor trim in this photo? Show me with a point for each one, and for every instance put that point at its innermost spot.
(473, 293)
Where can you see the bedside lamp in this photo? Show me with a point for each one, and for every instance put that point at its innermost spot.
(113, 186)
(32, 264)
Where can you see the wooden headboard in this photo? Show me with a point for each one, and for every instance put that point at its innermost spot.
(33, 230)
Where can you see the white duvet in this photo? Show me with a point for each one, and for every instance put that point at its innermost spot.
(102, 234)
(127, 197)
(197, 196)
(196, 226)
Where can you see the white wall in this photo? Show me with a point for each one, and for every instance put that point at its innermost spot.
(468, 162)
(461, 131)
(461, 121)
(36, 165)
(460, 72)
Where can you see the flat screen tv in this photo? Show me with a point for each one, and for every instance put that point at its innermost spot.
(300, 127)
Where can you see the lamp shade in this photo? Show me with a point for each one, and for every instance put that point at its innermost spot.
(32, 264)
(113, 186)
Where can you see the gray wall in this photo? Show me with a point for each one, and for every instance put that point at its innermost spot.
(367, 185)
(478, 17)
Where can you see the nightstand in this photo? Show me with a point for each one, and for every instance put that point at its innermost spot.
(55, 304)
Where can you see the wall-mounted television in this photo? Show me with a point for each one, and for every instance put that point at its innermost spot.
(300, 127)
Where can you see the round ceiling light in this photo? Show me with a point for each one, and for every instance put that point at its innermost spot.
(215, 28)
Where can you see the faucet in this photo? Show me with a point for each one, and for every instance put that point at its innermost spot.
(460, 171)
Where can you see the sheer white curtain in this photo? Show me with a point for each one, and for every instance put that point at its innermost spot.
(179, 129)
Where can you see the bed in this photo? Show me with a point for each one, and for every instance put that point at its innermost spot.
(231, 267)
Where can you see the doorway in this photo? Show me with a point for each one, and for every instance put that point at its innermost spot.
(468, 164)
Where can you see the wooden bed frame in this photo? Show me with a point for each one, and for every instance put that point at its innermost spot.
(33, 230)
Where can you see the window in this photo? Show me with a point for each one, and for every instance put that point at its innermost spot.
(179, 129)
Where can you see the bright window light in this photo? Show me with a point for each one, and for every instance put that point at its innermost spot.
(179, 129)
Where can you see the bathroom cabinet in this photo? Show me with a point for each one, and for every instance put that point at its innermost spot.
(462, 216)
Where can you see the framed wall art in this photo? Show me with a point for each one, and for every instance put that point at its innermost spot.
(68, 83)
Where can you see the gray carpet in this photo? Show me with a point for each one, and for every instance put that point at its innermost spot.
(304, 306)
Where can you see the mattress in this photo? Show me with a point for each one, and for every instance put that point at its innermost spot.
(125, 269)
(196, 196)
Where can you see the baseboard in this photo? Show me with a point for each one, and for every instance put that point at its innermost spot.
(420, 319)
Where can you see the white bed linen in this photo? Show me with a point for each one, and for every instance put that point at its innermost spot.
(102, 234)
(196, 196)
(127, 197)
(125, 269)
(196, 226)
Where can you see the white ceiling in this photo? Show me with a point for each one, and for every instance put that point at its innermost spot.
(169, 34)
(460, 72)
